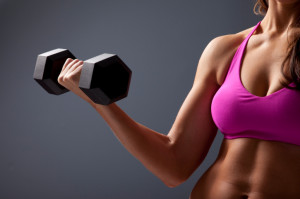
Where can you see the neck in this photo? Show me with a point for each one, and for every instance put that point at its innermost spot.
(280, 15)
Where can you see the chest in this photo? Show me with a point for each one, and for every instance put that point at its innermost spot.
(261, 67)
(252, 102)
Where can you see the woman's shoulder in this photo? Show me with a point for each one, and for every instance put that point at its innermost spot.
(222, 49)
(231, 40)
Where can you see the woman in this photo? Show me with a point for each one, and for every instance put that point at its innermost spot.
(237, 88)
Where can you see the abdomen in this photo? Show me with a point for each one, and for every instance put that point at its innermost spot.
(253, 169)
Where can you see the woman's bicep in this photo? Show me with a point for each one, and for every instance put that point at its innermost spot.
(194, 130)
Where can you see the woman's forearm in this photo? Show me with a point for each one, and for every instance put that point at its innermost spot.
(153, 149)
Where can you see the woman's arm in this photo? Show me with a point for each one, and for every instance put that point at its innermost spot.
(175, 156)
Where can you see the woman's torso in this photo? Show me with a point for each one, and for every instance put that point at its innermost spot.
(252, 168)
(248, 167)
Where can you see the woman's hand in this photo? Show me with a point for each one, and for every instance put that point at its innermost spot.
(70, 75)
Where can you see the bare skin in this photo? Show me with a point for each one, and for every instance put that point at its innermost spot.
(245, 167)
(253, 168)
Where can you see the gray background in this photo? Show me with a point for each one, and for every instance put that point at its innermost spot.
(59, 146)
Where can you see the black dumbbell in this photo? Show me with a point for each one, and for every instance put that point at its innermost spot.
(104, 78)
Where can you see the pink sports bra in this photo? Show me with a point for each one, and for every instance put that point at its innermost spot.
(238, 113)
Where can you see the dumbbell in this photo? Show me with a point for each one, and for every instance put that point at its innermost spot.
(104, 78)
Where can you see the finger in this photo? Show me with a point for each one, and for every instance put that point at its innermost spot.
(66, 63)
(75, 66)
(71, 64)
(77, 70)
(70, 71)
(68, 66)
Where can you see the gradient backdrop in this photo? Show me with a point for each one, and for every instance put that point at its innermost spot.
(59, 147)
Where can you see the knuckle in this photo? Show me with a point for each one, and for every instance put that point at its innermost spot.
(60, 79)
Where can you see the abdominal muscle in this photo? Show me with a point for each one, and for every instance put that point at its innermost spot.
(248, 168)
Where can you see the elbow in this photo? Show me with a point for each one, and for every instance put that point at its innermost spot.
(175, 181)
(173, 184)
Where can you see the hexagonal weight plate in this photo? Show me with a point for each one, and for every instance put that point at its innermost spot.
(105, 79)
(48, 67)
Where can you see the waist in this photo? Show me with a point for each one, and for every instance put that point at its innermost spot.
(253, 168)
